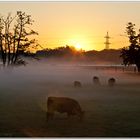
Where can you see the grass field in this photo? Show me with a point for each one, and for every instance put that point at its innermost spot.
(109, 112)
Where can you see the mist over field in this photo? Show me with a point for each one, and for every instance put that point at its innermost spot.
(69, 69)
(109, 111)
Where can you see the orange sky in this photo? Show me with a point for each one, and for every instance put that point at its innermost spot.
(83, 24)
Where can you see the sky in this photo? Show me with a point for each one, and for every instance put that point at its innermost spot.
(80, 24)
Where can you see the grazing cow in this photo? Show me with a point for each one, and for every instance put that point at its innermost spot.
(96, 80)
(77, 84)
(111, 82)
(63, 105)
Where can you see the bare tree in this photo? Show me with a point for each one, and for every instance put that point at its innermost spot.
(14, 37)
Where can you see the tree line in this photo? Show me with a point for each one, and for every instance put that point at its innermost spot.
(59, 52)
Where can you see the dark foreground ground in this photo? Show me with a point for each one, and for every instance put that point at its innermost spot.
(109, 112)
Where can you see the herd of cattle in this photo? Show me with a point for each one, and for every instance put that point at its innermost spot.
(68, 105)
(96, 81)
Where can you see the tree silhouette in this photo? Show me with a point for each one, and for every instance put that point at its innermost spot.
(14, 37)
(131, 54)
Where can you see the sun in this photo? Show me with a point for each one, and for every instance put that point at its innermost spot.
(78, 46)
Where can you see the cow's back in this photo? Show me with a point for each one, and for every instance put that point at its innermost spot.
(62, 104)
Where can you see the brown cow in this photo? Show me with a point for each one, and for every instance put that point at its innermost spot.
(111, 82)
(77, 84)
(96, 80)
(63, 105)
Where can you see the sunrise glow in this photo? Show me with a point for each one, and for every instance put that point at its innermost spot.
(83, 25)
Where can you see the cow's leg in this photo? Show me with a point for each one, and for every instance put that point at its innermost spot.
(69, 115)
(49, 116)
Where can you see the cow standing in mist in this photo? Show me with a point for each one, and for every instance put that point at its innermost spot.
(63, 105)
(96, 80)
(77, 84)
(111, 82)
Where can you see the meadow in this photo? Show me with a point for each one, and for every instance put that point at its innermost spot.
(109, 111)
